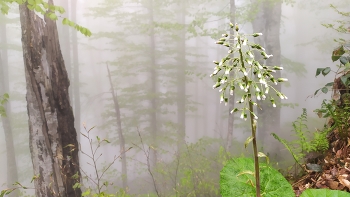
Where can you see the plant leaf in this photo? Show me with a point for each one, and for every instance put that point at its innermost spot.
(247, 141)
(344, 60)
(272, 182)
(326, 70)
(337, 53)
(324, 90)
(324, 193)
(318, 71)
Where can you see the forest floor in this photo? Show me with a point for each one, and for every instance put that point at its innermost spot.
(334, 168)
(331, 169)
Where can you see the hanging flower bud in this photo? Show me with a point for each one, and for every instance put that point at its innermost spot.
(282, 79)
(217, 84)
(237, 28)
(234, 110)
(224, 35)
(273, 102)
(277, 68)
(250, 54)
(257, 34)
(231, 25)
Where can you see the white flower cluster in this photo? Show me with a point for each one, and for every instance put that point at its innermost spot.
(242, 70)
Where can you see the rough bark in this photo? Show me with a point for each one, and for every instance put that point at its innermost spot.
(120, 132)
(12, 173)
(76, 82)
(153, 90)
(181, 78)
(231, 102)
(52, 136)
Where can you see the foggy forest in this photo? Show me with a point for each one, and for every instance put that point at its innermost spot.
(174, 98)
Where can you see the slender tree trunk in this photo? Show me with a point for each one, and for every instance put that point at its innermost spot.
(153, 91)
(52, 136)
(181, 78)
(231, 102)
(120, 132)
(76, 82)
(12, 173)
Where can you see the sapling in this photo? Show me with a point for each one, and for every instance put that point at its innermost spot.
(255, 81)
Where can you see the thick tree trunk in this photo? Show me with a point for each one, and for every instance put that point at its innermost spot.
(12, 173)
(153, 90)
(120, 132)
(231, 102)
(52, 136)
(76, 82)
(181, 78)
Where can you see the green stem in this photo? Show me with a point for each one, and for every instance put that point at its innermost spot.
(255, 149)
(253, 128)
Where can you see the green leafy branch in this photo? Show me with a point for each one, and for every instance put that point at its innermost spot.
(18, 186)
(94, 157)
(46, 9)
(342, 53)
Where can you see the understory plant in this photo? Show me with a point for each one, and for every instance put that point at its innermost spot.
(99, 184)
(241, 70)
(305, 142)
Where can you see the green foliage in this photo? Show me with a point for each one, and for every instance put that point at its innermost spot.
(97, 180)
(324, 193)
(3, 100)
(194, 172)
(342, 25)
(304, 143)
(17, 186)
(339, 113)
(44, 8)
(237, 179)
(341, 53)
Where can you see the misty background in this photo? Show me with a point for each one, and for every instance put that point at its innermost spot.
(143, 72)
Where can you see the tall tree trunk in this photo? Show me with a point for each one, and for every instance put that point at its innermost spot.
(181, 78)
(120, 132)
(273, 11)
(76, 82)
(267, 21)
(52, 136)
(153, 90)
(12, 173)
(231, 101)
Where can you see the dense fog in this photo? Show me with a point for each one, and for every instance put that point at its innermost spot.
(160, 55)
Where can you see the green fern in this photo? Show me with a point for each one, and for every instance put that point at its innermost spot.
(304, 144)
